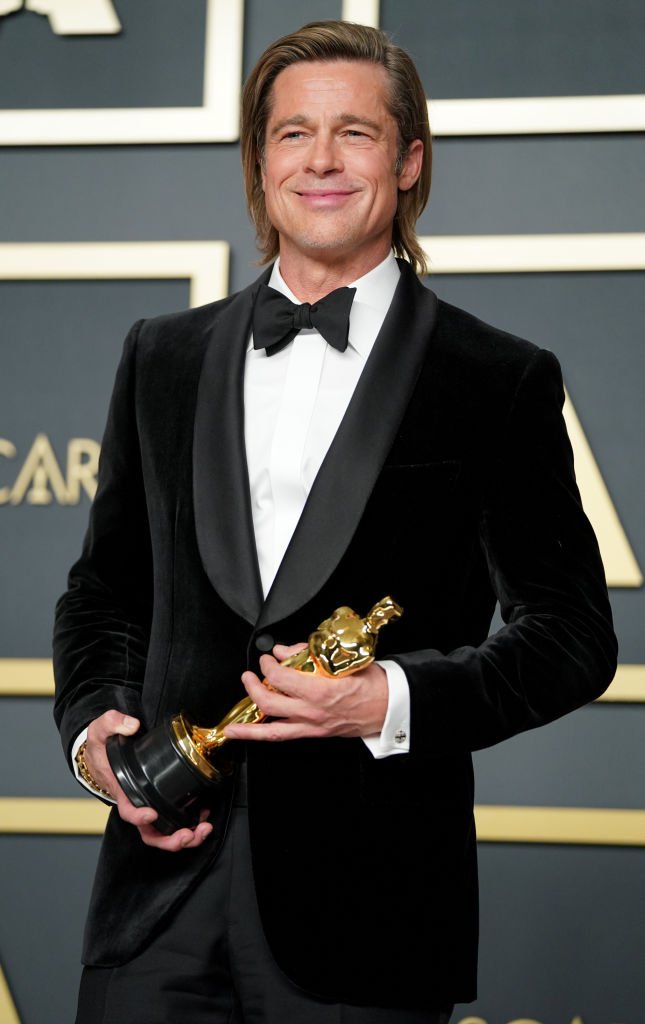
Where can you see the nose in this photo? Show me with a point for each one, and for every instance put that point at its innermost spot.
(323, 154)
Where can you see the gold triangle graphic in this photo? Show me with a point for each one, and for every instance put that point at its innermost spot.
(8, 1012)
(621, 567)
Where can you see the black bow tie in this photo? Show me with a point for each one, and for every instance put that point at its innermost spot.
(276, 320)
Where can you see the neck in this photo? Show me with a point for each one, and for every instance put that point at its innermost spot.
(311, 279)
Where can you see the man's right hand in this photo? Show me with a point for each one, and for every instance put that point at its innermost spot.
(142, 818)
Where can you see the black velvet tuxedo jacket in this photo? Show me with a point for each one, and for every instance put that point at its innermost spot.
(449, 485)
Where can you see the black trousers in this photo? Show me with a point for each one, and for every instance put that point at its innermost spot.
(212, 964)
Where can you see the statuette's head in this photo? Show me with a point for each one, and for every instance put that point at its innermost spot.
(345, 642)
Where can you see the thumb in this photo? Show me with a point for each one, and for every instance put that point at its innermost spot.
(127, 726)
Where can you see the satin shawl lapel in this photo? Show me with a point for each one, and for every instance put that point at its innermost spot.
(223, 517)
(356, 456)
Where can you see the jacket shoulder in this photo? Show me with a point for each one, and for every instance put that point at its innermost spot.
(175, 343)
(481, 343)
(481, 370)
(185, 327)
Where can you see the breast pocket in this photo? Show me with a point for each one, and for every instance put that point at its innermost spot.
(410, 522)
(418, 492)
(445, 473)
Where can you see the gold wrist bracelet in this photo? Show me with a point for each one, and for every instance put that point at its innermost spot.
(86, 774)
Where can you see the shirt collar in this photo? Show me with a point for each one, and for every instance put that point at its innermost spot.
(374, 294)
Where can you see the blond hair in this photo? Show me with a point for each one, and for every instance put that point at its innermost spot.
(331, 41)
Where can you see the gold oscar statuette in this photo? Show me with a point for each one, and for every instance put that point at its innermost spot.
(174, 766)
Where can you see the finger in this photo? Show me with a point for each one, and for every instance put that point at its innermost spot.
(290, 694)
(270, 701)
(282, 651)
(267, 664)
(137, 816)
(143, 818)
(182, 839)
(200, 834)
(292, 683)
(275, 732)
(291, 702)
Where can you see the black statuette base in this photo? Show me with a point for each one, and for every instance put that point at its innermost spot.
(153, 772)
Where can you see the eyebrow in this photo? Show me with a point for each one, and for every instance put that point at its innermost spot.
(341, 119)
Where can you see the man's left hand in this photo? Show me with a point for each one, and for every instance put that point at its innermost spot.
(302, 705)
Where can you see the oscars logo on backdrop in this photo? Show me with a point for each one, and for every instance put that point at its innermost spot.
(69, 17)
(41, 479)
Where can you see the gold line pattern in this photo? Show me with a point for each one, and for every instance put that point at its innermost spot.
(204, 264)
(33, 677)
(52, 816)
(537, 115)
(8, 1012)
(495, 824)
(594, 826)
(362, 12)
(26, 677)
(516, 254)
(628, 685)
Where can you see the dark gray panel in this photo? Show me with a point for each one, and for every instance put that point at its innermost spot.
(538, 185)
(32, 763)
(467, 48)
(593, 758)
(263, 23)
(47, 881)
(60, 344)
(156, 61)
(561, 935)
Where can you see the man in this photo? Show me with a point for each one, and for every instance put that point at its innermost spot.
(244, 494)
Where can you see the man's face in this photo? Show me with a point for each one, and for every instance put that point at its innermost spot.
(328, 170)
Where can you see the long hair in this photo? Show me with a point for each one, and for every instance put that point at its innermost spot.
(406, 101)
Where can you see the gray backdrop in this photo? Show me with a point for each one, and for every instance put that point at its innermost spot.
(562, 932)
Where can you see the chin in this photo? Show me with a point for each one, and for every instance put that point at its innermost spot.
(321, 242)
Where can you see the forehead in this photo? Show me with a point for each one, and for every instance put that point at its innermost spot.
(341, 87)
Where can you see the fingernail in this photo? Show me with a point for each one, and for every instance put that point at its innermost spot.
(148, 819)
(128, 722)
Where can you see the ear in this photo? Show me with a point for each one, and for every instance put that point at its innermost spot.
(412, 163)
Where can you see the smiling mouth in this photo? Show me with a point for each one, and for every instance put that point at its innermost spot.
(329, 194)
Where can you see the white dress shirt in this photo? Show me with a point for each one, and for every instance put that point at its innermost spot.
(294, 401)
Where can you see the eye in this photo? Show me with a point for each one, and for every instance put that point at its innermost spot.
(357, 135)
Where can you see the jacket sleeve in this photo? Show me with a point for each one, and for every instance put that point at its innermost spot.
(102, 621)
(557, 649)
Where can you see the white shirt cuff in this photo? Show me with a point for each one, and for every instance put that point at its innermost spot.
(394, 737)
